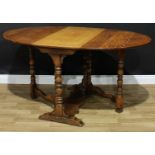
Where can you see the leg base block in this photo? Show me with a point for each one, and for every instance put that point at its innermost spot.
(62, 119)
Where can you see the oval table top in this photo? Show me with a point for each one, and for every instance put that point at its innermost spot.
(80, 38)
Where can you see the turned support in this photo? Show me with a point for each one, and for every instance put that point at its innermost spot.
(86, 81)
(86, 88)
(59, 109)
(32, 74)
(120, 72)
(83, 89)
(62, 112)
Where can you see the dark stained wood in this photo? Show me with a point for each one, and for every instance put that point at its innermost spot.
(86, 87)
(119, 95)
(98, 41)
(116, 39)
(34, 88)
(59, 114)
(59, 42)
(32, 73)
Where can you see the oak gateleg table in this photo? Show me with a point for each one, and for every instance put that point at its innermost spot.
(61, 41)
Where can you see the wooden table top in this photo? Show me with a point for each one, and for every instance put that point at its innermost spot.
(67, 37)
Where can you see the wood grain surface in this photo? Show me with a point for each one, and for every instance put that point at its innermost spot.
(18, 112)
(76, 38)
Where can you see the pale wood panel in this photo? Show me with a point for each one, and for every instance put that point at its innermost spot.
(72, 37)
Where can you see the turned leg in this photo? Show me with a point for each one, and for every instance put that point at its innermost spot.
(60, 113)
(32, 73)
(86, 87)
(86, 81)
(59, 109)
(119, 95)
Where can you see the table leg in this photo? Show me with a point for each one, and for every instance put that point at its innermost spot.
(119, 95)
(86, 87)
(60, 114)
(33, 85)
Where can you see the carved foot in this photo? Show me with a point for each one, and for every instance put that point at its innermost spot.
(62, 119)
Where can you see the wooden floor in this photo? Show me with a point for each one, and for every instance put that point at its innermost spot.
(19, 113)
